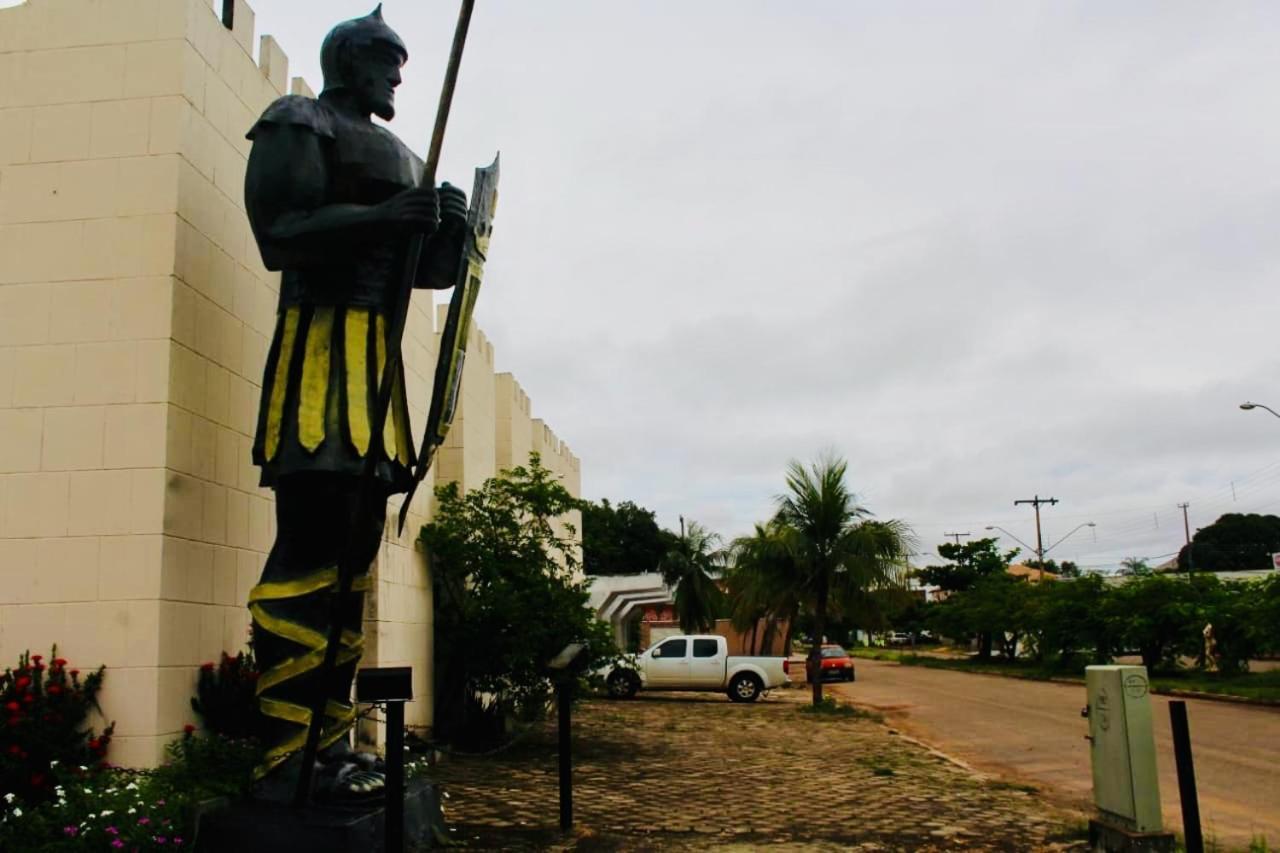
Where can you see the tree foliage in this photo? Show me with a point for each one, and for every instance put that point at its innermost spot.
(1162, 618)
(621, 540)
(1236, 542)
(691, 567)
(969, 562)
(508, 598)
(761, 587)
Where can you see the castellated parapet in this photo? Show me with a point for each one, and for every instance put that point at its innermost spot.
(135, 315)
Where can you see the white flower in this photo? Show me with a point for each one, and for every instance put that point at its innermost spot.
(132, 811)
(8, 798)
(17, 812)
(104, 813)
(53, 763)
(84, 769)
(132, 786)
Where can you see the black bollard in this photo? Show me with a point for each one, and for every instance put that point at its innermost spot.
(564, 669)
(395, 778)
(1186, 777)
(564, 699)
(390, 686)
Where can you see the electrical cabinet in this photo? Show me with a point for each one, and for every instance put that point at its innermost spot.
(1123, 748)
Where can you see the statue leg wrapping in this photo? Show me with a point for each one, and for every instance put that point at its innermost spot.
(315, 518)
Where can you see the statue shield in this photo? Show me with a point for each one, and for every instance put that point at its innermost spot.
(457, 325)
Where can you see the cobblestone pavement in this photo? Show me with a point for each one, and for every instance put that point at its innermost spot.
(697, 772)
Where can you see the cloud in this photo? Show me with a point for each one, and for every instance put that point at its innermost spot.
(984, 251)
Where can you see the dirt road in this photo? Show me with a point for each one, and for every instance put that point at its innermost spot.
(1032, 731)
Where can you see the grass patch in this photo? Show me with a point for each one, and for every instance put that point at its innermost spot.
(1263, 686)
(829, 708)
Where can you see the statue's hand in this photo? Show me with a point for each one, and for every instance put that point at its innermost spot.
(453, 206)
(416, 210)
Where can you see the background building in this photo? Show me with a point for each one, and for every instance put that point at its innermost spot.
(135, 316)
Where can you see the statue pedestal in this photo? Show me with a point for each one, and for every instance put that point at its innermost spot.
(255, 827)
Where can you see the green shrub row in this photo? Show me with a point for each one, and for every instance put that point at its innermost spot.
(1162, 618)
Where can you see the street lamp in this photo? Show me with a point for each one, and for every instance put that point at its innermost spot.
(1246, 405)
(1015, 539)
(1038, 552)
(1064, 538)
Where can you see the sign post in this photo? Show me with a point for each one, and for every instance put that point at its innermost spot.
(391, 686)
(564, 669)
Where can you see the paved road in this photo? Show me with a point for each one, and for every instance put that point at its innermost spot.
(1032, 731)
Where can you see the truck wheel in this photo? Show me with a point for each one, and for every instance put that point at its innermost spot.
(622, 684)
(744, 688)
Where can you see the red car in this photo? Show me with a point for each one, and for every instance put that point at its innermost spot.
(836, 664)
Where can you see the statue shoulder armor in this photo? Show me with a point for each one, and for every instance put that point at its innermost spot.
(300, 111)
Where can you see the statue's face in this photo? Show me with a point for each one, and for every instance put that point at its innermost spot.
(377, 74)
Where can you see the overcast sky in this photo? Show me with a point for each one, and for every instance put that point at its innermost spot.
(984, 251)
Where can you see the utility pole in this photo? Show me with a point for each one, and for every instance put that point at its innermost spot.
(957, 535)
(1186, 529)
(1035, 502)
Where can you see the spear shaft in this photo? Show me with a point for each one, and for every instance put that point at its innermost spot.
(366, 494)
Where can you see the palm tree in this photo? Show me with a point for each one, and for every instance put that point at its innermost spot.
(759, 586)
(837, 552)
(691, 566)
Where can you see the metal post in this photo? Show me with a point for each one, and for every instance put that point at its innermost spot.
(564, 700)
(1186, 777)
(394, 835)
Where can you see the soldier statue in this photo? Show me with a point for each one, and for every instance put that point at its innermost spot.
(333, 201)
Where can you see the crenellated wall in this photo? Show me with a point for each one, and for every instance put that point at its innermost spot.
(135, 316)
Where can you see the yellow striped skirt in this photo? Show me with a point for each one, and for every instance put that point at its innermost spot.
(318, 396)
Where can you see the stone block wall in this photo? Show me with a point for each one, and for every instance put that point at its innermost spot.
(135, 315)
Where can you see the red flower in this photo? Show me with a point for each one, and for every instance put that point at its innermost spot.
(59, 661)
(37, 658)
(13, 707)
(15, 750)
(37, 779)
(53, 690)
(28, 698)
(75, 672)
(23, 682)
(188, 730)
(94, 743)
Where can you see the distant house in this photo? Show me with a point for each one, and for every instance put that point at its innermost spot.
(1031, 574)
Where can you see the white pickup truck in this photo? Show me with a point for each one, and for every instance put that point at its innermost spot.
(697, 662)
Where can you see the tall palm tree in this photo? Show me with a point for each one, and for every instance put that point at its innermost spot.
(691, 566)
(837, 552)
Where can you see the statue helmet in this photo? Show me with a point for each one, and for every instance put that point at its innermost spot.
(351, 37)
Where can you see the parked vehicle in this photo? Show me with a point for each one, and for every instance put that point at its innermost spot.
(836, 665)
(899, 638)
(697, 662)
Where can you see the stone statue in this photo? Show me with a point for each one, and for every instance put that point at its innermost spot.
(332, 202)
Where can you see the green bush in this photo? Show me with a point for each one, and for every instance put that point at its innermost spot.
(1066, 624)
(508, 599)
(43, 723)
(226, 696)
